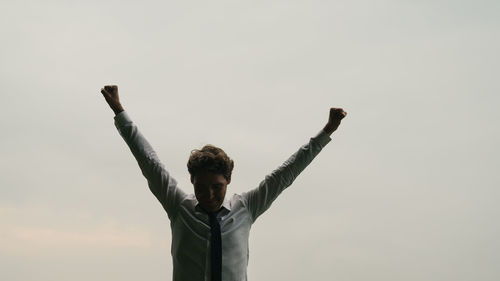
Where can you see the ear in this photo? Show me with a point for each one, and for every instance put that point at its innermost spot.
(229, 180)
(192, 179)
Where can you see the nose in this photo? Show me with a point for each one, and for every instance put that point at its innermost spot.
(211, 194)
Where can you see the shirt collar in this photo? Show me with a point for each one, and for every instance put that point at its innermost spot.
(225, 204)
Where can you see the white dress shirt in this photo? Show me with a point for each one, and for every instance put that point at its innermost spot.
(190, 224)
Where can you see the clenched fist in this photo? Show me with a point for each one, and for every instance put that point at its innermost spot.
(110, 93)
(336, 115)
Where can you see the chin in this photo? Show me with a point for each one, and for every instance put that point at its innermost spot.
(212, 207)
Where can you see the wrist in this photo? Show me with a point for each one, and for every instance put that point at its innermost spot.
(117, 109)
(329, 129)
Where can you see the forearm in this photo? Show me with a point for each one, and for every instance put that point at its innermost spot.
(261, 198)
(161, 184)
(296, 163)
(139, 146)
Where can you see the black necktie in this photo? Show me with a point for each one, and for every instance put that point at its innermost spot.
(216, 247)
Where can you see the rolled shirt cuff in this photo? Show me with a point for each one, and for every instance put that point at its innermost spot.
(121, 119)
(322, 137)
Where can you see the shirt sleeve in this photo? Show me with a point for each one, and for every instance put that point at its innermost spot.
(258, 200)
(163, 186)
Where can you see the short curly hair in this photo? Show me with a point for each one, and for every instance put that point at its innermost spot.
(212, 159)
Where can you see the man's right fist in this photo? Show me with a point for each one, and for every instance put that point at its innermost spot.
(110, 93)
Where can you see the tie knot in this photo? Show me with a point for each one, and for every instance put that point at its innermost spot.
(213, 216)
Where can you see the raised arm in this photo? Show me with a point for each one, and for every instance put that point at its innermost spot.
(163, 186)
(258, 200)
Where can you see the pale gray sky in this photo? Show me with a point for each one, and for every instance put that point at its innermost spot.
(406, 190)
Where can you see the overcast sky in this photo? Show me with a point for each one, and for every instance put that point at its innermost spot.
(407, 189)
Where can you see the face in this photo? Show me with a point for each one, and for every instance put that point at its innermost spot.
(210, 190)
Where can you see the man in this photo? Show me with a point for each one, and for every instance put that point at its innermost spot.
(210, 232)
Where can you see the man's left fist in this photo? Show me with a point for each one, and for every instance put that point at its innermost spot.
(336, 115)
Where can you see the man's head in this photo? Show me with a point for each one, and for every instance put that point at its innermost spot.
(210, 169)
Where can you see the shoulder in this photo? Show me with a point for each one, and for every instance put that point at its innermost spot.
(236, 201)
(189, 201)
